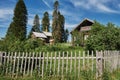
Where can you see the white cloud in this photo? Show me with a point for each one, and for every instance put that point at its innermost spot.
(5, 13)
(45, 2)
(96, 5)
(69, 25)
(119, 5)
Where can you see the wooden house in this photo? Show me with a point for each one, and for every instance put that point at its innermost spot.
(82, 30)
(45, 36)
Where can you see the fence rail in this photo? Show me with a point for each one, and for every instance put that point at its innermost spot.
(58, 63)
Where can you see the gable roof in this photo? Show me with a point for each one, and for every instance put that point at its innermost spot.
(39, 35)
(84, 22)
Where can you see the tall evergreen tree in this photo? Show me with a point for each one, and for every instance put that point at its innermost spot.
(45, 22)
(58, 24)
(17, 28)
(36, 25)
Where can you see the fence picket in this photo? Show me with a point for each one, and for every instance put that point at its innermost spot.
(21, 68)
(14, 63)
(18, 62)
(59, 64)
(25, 62)
(55, 64)
(71, 64)
(8, 60)
(79, 65)
(75, 63)
(67, 63)
(43, 65)
(83, 59)
(62, 63)
(92, 61)
(47, 62)
(32, 63)
(29, 58)
(11, 62)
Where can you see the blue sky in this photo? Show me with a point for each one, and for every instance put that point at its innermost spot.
(74, 11)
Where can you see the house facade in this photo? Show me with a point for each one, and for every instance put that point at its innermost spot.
(81, 32)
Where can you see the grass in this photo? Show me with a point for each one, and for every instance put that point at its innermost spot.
(84, 75)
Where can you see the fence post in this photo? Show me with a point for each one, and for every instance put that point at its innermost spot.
(99, 64)
(1, 55)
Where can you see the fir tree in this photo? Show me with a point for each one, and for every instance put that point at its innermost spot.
(45, 22)
(36, 25)
(17, 29)
(58, 31)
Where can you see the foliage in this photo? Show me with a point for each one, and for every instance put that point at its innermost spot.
(103, 37)
(20, 46)
(45, 22)
(77, 40)
(17, 28)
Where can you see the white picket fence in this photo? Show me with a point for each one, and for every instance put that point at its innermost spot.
(58, 63)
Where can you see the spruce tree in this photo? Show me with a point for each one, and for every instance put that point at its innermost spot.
(55, 32)
(36, 25)
(17, 29)
(58, 24)
(45, 22)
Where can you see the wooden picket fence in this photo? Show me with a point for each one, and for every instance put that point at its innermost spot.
(58, 63)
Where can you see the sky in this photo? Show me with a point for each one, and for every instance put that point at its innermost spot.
(74, 11)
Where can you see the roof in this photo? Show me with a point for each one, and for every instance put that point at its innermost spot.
(47, 33)
(39, 35)
(83, 23)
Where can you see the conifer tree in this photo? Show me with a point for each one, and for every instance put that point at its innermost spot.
(45, 22)
(58, 22)
(36, 25)
(17, 28)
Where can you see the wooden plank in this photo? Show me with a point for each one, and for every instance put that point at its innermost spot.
(71, 64)
(51, 64)
(39, 63)
(18, 62)
(83, 59)
(8, 60)
(1, 56)
(62, 64)
(32, 63)
(88, 59)
(29, 57)
(55, 64)
(5, 57)
(14, 64)
(36, 62)
(59, 64)
(43, 65)
(11, 62)
(47, 61)
(67, 64)
(25, 63)
(79, 64)
(21, 68)
(92, 61)
(75, 64)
